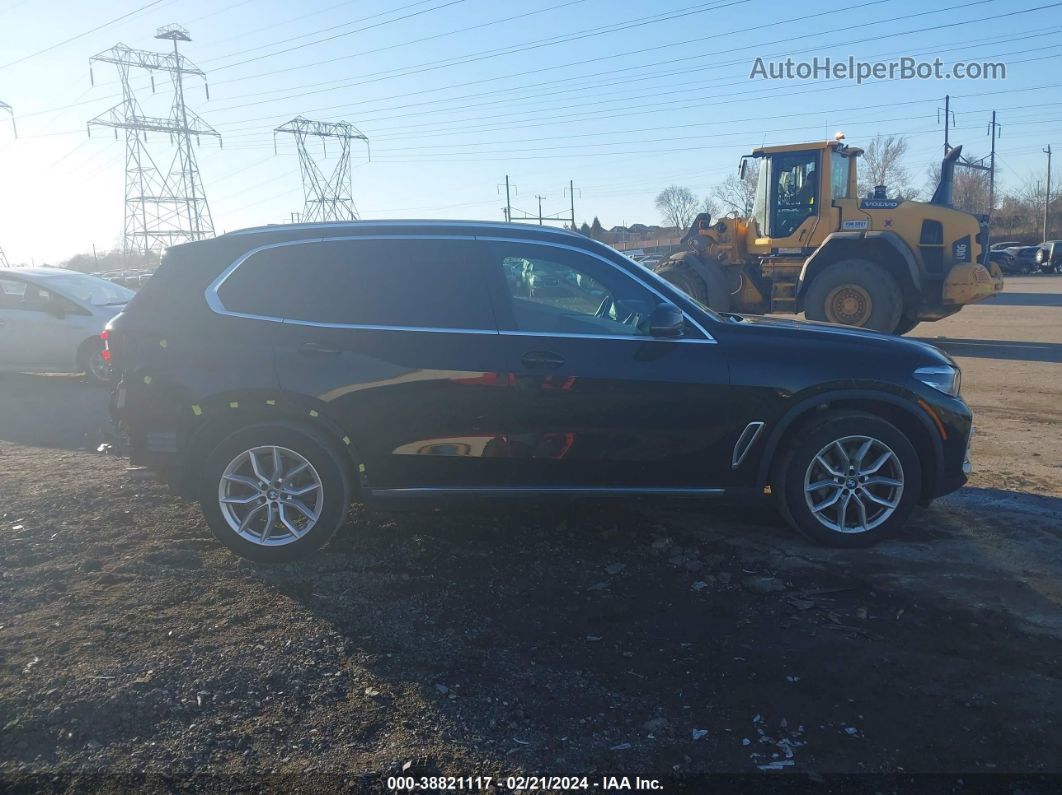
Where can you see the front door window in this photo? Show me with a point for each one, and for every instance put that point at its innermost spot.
(794, 188)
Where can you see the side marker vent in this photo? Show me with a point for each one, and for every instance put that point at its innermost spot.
(744, 443)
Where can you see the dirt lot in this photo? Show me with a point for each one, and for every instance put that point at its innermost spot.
(670, 640)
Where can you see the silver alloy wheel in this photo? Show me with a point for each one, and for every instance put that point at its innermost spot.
(98, 367)
(270, 496)
(853, 484)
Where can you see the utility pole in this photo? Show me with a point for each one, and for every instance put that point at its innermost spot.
(508, 208)
(1047, 194)
(540, 198)
(326, 198)
(947, 121)
(162, 207)
(571, 193)
(993, 130)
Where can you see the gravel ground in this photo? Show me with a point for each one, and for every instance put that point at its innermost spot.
(670, 640)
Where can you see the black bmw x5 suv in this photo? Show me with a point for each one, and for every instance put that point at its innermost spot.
(277, 374)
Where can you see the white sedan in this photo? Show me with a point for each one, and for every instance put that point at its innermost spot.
(51, 319)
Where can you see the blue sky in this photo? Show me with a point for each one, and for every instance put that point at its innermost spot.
(621, 97)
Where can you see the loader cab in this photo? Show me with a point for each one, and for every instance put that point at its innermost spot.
(795, 189)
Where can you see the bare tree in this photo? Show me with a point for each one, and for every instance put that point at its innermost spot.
(709, 206)
(737, 194)
(677, 205)
(883, 165)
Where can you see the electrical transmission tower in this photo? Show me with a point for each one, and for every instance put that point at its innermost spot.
(5, 106)
(326, 198)
(162, 206)
(3, 257)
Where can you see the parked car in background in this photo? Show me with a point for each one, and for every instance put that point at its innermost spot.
(309, 365)
(1048, 257)
(1025, 258)
(1004, 259)
(51, 319)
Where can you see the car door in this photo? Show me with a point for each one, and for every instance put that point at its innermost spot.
(34, 331)
(394, 339)
(597, 402)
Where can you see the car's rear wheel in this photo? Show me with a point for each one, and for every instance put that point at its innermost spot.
(849, 479)
(855, 292)
(275, 492)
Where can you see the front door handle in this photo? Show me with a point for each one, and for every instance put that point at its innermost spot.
(543, 359)
(316, 349)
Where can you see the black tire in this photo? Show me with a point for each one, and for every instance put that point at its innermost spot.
(864, 281)
(707, 283)
(906, 325)
(799, 454)
(90, 361)
(330, 462)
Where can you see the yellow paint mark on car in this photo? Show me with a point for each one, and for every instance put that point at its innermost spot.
(197, 410)
(147, 379)
(271, 402)
(313, 413)
(234, 404)
(163, 344)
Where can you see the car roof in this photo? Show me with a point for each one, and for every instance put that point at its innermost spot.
(338, 228)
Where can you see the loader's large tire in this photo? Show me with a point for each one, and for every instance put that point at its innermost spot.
(704, 281)
(905, 325)
(856, 292)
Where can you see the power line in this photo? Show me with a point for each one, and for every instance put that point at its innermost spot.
(327, 29)
(447, 4)
(81, 35)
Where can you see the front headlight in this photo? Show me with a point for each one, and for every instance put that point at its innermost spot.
(944, 377)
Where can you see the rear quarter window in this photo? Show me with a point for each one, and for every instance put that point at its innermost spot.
(420, 283)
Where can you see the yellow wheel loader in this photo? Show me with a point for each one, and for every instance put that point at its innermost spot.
(812, 245)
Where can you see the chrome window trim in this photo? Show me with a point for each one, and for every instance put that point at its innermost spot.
(428, 491)
(215, 303)
(708, 338)
(621, 337)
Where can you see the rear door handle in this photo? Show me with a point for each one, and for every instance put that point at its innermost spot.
(316, 349)
(544, 359)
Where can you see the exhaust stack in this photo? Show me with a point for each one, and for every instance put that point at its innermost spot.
(942, 195)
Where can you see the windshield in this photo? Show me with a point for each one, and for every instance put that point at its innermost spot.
(89, 289)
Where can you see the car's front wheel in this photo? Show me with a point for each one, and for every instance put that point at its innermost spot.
(275, 492)
(94, 365)
(848, 479)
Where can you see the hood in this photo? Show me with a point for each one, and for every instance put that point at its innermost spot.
(818, 330)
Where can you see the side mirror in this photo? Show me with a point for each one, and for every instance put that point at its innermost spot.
(741, 168)
(667, 321)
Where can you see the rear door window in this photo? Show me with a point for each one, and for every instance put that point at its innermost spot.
(410, 283)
